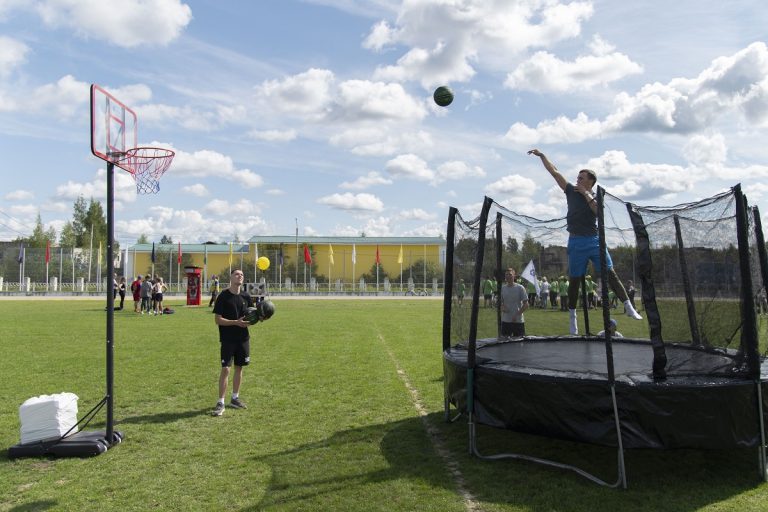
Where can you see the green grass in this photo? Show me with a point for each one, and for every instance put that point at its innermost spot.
(330, 425)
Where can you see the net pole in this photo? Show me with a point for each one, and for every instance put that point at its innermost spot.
(448, 290)
(691, 306)
(749, 328)
(499, 275)
(761, 250)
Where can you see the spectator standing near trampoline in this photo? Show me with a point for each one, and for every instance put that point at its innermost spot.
(514, 302)
(230, 309)
(214, 290)
(146, 295)
(583, 239)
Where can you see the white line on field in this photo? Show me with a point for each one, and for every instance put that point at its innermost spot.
(470, 503)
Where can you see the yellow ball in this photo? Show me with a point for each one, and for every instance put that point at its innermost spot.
(263, 263)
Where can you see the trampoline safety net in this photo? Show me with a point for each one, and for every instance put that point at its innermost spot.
(698, 271)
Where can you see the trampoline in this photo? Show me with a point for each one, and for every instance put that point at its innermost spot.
(698, 381)
(559, 387)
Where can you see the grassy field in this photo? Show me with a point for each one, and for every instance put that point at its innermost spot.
(345, 413)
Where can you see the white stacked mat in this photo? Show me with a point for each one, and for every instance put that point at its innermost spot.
(48, 417)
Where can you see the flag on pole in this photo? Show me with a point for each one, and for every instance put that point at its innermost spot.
(178, 258)
(205, 255)
(20, 258)
(529, 274)
(47, 252)
(307, 256)
(330, 254)
(99, 259)
(230, 254)
(354, 254)
(378, 256)
(281, 255)
(153, 252)
(400, 255)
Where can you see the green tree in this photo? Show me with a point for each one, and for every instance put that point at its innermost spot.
(143, 239)
(40, 236)
(166, 240)
(79, 216)
(68, 237)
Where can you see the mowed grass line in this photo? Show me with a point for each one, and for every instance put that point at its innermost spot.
(330, 424)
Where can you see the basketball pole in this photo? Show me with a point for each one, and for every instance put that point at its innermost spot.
(110, 302)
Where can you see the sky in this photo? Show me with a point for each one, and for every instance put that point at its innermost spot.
(317, 115)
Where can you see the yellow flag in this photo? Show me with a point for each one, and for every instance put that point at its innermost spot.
(230, 254)
(330, 254)
(400, 254)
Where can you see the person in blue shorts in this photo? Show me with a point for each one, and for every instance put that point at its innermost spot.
(583, 240)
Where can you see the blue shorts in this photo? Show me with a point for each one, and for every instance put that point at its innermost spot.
(582, 249)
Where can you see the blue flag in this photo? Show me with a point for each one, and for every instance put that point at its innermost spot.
(20, 258)
(153, 252)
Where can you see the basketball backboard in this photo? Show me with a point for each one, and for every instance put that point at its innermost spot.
(114, 128)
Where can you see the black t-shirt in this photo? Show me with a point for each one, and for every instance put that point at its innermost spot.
(582, 221)
(232, 307)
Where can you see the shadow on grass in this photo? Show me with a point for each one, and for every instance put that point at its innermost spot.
(35, 505)
(383, 459)
(164, 417)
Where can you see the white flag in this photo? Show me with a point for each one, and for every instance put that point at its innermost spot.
(529, 274)
(354, 254)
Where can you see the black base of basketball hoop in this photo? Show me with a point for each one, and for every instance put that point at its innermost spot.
(81, 444)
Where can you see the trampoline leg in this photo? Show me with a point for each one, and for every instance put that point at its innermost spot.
(761, 455)
(622, 475)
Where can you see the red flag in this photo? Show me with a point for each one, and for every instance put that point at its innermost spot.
(378, 258)
(178, 258)
(47, 252)
(307, 256)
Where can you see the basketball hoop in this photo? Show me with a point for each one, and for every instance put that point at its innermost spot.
(146, 165)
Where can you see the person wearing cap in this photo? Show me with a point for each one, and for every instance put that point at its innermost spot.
(583, 240)
(612, 325)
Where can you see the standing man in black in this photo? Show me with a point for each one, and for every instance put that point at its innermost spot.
(229, 311)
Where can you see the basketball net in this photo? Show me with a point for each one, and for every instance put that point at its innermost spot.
(146, 165)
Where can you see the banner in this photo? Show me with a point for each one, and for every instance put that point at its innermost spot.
(47, 252)
(529, 274)
(400, 255)
(178, 258)
(354, 254)
(378, 256)
(153, 252)
(307, 256)
(330, 254)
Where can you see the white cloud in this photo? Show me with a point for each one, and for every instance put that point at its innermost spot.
(737, 84)
(198, 189)
(365, 100)
(513, 184)
(273, 135)
(410, 166)
(125, 188)
(12, 54)
(306, 94)
(381, 140)
(212, 164)
(126, 23)
(371, 179)
(416, 214)
(275, 192)
(543, 72)
(457, 170)
(447, 39)
(558, 130)
(706, 151)
(348, 201)
(19, 195)
(642, 180)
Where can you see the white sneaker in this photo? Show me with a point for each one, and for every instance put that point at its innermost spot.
(573, 324)
(629, 310)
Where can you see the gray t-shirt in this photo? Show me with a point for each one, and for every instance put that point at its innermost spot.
(512, 296)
